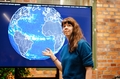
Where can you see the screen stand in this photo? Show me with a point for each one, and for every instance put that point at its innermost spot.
(16, 73)
(57, 73)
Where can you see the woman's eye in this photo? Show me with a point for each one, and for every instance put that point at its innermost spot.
(69, 25)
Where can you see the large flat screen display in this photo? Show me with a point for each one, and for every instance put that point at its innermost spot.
(28, 29)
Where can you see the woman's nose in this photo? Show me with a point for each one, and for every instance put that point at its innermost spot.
(66, 26)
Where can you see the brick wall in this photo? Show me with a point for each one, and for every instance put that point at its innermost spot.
(108, 38)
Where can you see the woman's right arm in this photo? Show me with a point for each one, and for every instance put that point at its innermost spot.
(49, 53)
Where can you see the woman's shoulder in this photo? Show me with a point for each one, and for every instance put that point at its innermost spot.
(82, 41)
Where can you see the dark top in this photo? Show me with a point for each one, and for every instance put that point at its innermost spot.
(73, 64)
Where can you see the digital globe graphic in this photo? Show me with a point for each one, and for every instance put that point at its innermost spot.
(33, 29)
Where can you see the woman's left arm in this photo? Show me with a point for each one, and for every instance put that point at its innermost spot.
(88, 72)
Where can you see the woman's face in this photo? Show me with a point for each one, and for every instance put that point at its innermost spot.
(67, 29)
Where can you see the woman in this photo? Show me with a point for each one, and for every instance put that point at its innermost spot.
(76, 56)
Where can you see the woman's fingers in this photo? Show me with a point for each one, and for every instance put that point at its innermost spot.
(46, 52)
(48, 49)
(43, 52)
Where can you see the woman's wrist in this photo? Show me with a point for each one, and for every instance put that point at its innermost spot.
(53, 57)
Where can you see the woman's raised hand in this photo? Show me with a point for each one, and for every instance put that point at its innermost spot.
(48, 52)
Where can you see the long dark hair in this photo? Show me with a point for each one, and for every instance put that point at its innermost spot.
(76, 34)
